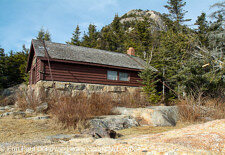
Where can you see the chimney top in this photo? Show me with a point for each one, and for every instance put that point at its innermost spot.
(131, 51)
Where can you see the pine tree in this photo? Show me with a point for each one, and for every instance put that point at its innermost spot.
(90, 39)
(203, 28)
(41, 34)
(47, 36)
(150, 81)
(75, 40)
(44, 35)
(177, 13)
(2, 68)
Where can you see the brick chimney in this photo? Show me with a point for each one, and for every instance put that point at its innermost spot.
(131, 51)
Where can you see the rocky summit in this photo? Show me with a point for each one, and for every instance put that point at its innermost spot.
(155, 18)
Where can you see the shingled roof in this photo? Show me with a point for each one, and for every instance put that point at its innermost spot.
(84, 54)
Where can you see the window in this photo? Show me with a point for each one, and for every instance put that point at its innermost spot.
(123, 76)
(112, 75)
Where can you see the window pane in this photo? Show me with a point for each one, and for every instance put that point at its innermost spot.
(123, 76)
(112, 75)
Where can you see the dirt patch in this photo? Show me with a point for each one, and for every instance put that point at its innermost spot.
(14, 130)
(141, 130)
(205, 138)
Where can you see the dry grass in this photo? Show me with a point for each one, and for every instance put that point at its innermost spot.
(196, 110)
(141, 130)
(7, 101)
(133, 100)
(74, 110)
(13, 130)
(27, 100)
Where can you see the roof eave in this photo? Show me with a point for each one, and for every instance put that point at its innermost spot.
(89, 63)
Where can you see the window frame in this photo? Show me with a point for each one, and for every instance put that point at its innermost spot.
(112, 71)
(118, 76)
(128, 76)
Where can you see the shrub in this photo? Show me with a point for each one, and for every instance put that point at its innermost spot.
(28, 99)
(133, 100)
(72, 110)
(194, 109)
(7, 101)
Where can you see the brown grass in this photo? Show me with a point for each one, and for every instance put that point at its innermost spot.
(133, 100)
(14, 130)
(74, 110)
(141, 130)
(7, 101)
(201, 109)
(29, 99)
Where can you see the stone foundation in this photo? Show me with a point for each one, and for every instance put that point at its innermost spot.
(64, 88)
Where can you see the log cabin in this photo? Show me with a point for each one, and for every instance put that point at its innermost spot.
(48, 61)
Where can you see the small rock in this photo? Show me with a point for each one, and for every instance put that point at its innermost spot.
(12, 109)
(6, 114)
(39, 117)
(42, 108)
(105, 141)
(19, 114)
(2, 108)
(114, 122)
(29, 111)
(7, 107)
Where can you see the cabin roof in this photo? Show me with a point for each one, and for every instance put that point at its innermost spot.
(84, 54)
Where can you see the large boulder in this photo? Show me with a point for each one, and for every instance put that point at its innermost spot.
(152, 115)
(11, 91)
(164, 115)
(113, 122)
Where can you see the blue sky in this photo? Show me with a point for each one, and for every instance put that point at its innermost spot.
(20, 20)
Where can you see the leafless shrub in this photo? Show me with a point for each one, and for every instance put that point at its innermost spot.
(7, 101)
(74, 110)
(194, 109)
(29, 99)
(133, 100)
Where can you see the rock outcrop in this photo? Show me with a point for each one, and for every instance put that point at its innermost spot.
(139, 15)
(153, 115)
(113, 122)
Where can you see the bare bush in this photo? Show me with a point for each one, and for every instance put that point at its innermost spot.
(7, 101)
(133, 100)
(29, 99)
(194, 109)
(74, 110)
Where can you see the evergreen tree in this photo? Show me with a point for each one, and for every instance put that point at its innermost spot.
(44, 35)
(150, 81)
(141, 38)
(2, 68)
(12, 68)
(177, 13)
(47, 36)
(75, 40)
(90, 39)
(203, 28)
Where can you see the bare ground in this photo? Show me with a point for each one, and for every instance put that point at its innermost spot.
(203, 138)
